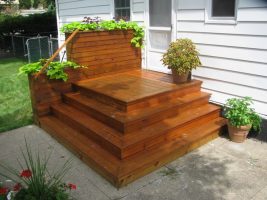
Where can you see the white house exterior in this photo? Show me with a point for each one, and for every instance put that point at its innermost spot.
(233, 48)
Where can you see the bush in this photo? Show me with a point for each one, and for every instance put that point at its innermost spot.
(29, 25)
(181, 56)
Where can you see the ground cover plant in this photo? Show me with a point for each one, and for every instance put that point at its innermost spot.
(15, 103)
(55, 70)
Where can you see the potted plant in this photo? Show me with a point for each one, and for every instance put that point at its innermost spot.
(241, 118)
(181, 58)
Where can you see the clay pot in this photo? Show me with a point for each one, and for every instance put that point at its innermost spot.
(180, 78)
(238, 134)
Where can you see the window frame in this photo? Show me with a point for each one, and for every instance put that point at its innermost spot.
(114, 9)
(219, 20)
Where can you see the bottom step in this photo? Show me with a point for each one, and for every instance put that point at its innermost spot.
(122, 172)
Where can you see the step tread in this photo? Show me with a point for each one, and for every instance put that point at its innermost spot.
(128, 117)
(129, 89)
(113, 168)
(123, 141)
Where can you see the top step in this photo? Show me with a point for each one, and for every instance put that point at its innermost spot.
(128, 92)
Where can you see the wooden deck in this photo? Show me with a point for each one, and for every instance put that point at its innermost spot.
(131, 123)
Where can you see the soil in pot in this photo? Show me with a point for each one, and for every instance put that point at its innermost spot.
(180, 78)
(238, 134)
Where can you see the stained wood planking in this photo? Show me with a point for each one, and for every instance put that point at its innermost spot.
(123, 172)
(127, 92)
(136, 119)
(164, 122)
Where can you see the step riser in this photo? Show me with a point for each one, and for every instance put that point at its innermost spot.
(121, 179)
(143, 145)
(142, 103)
(179, 152)
(140, 123)
(163, 138)
(87, 132)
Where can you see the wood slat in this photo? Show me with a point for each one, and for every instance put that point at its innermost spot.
(123, 172)
(136, 119)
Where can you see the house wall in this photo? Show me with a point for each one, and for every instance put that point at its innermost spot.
(234, 56)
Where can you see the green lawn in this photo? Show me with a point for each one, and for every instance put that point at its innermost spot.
(15, 104)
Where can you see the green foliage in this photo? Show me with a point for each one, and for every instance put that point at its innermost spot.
(55, 70)
(32, 24)
(181, 56)
(109, 25)
(25, 4)
(35, 180)
(239, 113)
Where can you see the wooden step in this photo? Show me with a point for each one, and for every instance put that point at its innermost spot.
(122, 172)
(127, 122)
(128, 92)
(123, 146)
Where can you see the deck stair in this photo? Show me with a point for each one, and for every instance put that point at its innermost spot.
(129, 124)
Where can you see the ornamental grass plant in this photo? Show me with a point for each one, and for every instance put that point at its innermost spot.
(35, 181)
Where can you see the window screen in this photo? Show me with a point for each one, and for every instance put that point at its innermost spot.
(223, 8)
(122, 9)
(160, 13)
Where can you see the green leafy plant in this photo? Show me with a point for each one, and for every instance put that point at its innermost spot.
(238, 111)
(97, 25)
(181, 56)
(54, 71)
(35, 181)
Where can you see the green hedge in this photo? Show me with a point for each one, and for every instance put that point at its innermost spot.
(32, 24)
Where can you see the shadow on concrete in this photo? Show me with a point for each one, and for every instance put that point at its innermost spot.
(198, 175)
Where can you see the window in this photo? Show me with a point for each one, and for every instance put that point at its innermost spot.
(223, 8)
(122, 9)
(160, 13)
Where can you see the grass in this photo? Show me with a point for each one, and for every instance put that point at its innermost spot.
(15, 103)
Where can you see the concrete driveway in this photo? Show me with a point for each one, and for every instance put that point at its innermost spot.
(218, 170)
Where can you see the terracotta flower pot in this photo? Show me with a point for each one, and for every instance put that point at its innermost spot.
(180, 78)
(238, 134)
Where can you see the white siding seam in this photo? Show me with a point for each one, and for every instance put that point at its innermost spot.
(234, 34)
(236, 47)
(69, 2)
(250, 61)
(237, 72)
(190, 20)
(240, 96)
(219, 80)
(248, 8)
(85, 14)
(86, 7)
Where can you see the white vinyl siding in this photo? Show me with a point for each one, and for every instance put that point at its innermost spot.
(234, 56)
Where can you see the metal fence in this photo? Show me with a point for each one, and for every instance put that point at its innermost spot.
(31, 48)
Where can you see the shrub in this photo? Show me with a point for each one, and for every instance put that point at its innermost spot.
(32, 24)
(181, 56)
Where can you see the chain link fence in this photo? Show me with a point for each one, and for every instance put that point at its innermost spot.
(28, 47)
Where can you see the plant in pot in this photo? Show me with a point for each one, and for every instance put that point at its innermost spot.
(241, 118)
(181, 57)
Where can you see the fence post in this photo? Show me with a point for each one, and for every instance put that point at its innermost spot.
(13, 44)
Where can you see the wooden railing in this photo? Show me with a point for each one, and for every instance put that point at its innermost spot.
(56, 53)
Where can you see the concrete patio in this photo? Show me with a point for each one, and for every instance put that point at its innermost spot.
(218, 170)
